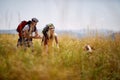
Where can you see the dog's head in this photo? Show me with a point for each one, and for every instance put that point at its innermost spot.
(88, 48)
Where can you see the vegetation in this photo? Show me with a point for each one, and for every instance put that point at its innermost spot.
(69, 62)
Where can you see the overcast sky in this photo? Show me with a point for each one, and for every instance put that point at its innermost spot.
(64, 14)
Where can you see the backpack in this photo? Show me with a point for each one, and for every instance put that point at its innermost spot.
(46, 28)
(21, 26)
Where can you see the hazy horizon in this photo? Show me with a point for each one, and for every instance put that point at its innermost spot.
(64, 14)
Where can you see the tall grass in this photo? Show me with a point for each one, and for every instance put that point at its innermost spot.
(69, 62)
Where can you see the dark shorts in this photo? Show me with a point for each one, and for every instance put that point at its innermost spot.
(24, 42)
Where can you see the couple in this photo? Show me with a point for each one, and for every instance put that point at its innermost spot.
(29, 27)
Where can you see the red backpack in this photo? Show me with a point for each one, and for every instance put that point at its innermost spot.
(21, 26)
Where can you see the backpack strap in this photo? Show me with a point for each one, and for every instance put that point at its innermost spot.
(35, 28)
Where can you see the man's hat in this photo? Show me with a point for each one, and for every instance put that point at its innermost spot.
(35, 20)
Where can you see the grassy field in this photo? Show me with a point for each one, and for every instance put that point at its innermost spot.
(69, 62)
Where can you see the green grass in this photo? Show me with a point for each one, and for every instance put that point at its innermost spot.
(69, 62)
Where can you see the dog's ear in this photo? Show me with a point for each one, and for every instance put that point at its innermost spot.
(92, 48)
(86, 47)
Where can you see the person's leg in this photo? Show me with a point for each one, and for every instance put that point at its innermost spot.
(30, 44)
(19, 42)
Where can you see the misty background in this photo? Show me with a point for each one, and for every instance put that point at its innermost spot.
(64, 14)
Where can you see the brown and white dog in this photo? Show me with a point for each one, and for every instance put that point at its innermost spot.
(88, 48)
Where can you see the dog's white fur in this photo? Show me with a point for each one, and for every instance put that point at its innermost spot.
(88, 48)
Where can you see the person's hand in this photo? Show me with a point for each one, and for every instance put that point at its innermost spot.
(37, 37)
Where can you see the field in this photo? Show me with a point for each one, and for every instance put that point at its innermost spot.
(69, 62)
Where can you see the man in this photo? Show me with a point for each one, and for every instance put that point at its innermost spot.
(27, 33)
(49, 36)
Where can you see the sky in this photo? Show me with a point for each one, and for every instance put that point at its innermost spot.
(64, 14)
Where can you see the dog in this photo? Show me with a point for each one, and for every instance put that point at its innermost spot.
(88, 48)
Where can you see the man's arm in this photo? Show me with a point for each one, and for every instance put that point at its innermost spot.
(37, 36)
